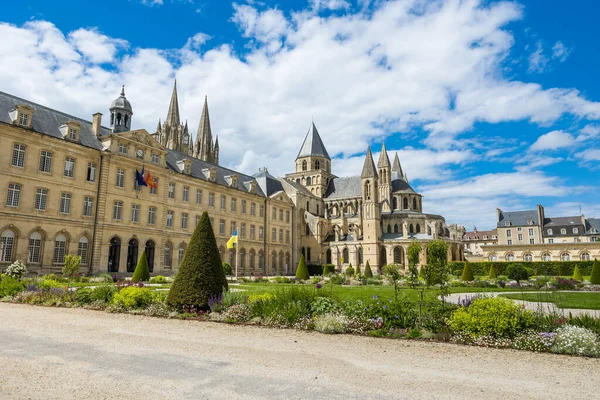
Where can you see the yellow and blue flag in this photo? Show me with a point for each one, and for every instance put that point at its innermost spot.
(233, 240)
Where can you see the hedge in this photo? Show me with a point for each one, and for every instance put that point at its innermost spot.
(550, 268)
(314, 269)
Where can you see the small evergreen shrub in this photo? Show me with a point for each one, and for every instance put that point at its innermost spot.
(133, 297)
(227, 269)
(357, 272)
(350, 270)
(328, 269)
(467, 274)
(142, 272)
(595, 276)
(10, 286)
(158, 279)
(368, 272)
(302, 271)
(518, 272)
(577, 274)
(492, 273)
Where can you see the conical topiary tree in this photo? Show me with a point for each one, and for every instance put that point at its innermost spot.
(357, 272)
(595, 277)
(492, 273)
(467, 274)
(302, 271)
(141, 273)
(577, 273)
(200, 274)
(368, 272)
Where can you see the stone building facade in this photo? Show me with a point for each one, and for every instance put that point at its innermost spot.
(473, 242)
(71, 188)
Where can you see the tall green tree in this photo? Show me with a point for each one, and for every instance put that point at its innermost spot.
(302, 270)
(414, 253)
(200, 274)
(437, 272)
(141, 272)
(595, 277)
(71, 266)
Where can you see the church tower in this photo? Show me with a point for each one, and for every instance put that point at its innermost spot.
(313, 164)
(205, 149)
(172, 133)
(397, 170)
(120, 113)
(371, 210)
(385, 180)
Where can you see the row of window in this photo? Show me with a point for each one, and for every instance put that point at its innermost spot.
(7, 248)
(563, 231)
(13, 199)
(545, 257)
(520, 237)
(45, 164)
(509, 233)
(274, 214)
(124, 149)
(251, 259)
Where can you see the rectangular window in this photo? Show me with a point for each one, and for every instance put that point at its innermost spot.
(221, 227)
(261, 233)
(184, 220)
(45, 161)
(223, 200)
(198, 196)
(287, 237)
(273, 235)
(520, 237)
(65, 203)
(280, 214)
(7, 245)
(122, 149)
(287, 216)
(120, 178)
(198, 220)
(88, 204)
(531, 241)
(519, 229)
(153, 189)
(550, 241)
(252, 233)
(60, 248)
(117, 210)
(154, 158)
(91, 172)
(253, 209)
(243, 230)
(23, 119)
(151, 215)
(232, 227)
(243, 206)
(530, 231)
(233, 204)
(273, 213)
(73, 134)
(35, 250)
(508, 233)
(135, 213)
(41, 195)
(211, 199)
(509, 241)
(281, 236)
(186, 193)
(170, 219)
(171, 190)
(262, 211)
(18, 158)
(69, 167)
(14, 195)
(82, 251)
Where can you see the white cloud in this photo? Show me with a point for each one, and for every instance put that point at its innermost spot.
(560, 51)
(537, 59)
(152, 2)
(553, 140)
(268, 26)
(590, 155)
(329, 5)
(572, 208)
(96, 47)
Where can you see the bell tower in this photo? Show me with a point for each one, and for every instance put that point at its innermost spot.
(120, 113)
(371, 210)
(385, 180)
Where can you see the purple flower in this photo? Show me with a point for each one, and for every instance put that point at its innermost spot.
(374, 297)
(385, 307)
(318, 286)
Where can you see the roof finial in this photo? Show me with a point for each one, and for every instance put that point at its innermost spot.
(123, 91)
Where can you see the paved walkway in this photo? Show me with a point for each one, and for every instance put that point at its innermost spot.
(546, 307)
(61, 353)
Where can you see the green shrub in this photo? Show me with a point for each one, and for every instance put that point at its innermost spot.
(585, 321)
(545, 268)
(200, 274)
(227, 269)
(302, 271)
(232, 298)
(142, 272)
(323, 305)
(576, 340)
(498, 317)
(595, 274)
(492, 273)
(84, 295)
(350, 270)
(133, 297)
(104, 294)
(282, 279)
(51, 284)
(328, 269)
(10, 286)
(368, 272)
(158, 279)
(577, 274)
(467, 274)
(357, 270)
(314, 269)
(331, 323)
(518, 272)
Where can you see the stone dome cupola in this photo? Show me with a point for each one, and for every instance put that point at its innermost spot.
(120, 113)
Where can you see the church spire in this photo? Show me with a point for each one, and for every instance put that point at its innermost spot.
(204, 142)
(313, 145)
(369, 170)
(397, 169)
(173, 114)
(158, 127)
(384, 160)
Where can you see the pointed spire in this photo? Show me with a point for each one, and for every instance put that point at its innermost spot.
(204, 141)
(217, 143)
(123, 91)
(384, 160)
(185, 128)
(397, 169)
(173, 114)
(158, 127)
(313, 145)
(369, 170)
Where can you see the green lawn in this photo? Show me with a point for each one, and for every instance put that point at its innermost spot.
(585, 300)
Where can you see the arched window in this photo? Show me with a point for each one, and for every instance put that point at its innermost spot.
(565, 257)
(260, 260)
(242, 258)
(395, 228)
(168, 261)
(298, 181)
(585, 256)
(360, 256)
(418, 228)
(150, 248)
(368, 190)
(304, 165)
(125, 120)
(308, 181)
(510, 257)
(405, 203)
(7, 246)
(389, 228)
(112, 118)
(493, 257)
(35, 248)
(118, 118)
(281, 259)
(547, 257)
(394, 203)
(273, 261)
(60, 249)
(251, 256)
(317, 164)
(414, 203)
(411, 229)
(287, 262)
(398, 255)
(345, 255)
(308, 254)
(181, 253)
(132, 255)
(528, 257)
(82, 249)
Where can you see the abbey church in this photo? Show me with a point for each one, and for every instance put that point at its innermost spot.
(70, 188)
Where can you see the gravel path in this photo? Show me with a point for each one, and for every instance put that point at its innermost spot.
(530, 305)
(54, 353)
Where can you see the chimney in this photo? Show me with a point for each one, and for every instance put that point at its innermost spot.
(96, 123)
(498, 213)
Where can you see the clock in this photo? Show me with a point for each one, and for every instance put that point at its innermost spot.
(140, 153)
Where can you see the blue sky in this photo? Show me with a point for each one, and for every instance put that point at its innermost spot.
(489, 103)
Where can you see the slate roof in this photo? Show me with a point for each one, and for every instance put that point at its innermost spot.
(518, 218)
(47, 121)
(121, 102)
(397, 169)
(296, 186)
(593, 223)
(562, 221)
(268, 183)
(480, 234)
(369, 170)
(400, 185)
(313, 145)
(348, 187)
(198, 166)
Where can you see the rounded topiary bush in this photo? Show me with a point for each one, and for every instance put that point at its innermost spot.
(595, 277)
(350, 270)
(518, 272)
(467, 274)
(368, 272)
(200, 274)
(302, 271)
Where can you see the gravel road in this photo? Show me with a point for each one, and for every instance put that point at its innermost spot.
(54, 353)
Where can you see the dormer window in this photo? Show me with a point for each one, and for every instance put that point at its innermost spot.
(21, 115)
(575, 230)
(485, 238)
(70, 130)
(210, 173)
(529, 222)
(185, 166)
(507, 223)
(232, 180)
(549, 231)
(563, 231)
(251, 186)
(155, 158)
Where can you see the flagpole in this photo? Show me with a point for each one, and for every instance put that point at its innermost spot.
(237, 244)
